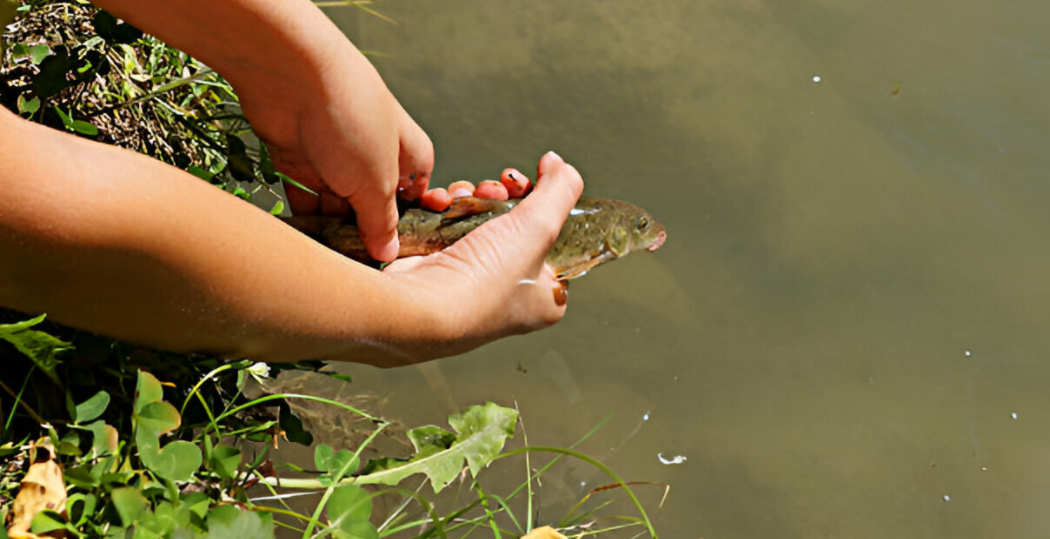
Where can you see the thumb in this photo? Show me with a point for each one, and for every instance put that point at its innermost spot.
(543, 212)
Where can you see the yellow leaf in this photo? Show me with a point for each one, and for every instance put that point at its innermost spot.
(42, 488)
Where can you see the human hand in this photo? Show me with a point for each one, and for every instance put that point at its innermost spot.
(512, 184)
(350, 141)
(495, 282)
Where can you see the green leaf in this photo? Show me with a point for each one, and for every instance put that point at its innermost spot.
(244, 524)
(52, 77)
(37, 53)
(47, 521)
(28, 106)
(85, 128)
(266, 168)
(358, 529)
(129, 503)
(200, 172)
(344, 463)
(147, 390)
(42, 348)
(158, 418)
(225, 460)
(241, 166)
(80, 507)
(277, 208)
(92, 408)
(66, 119)
(323, 457)
(161, 521)
(19, 51)
(338, 376)
(482, 431)
(105, 438)
(177, 461)
(349, 504)
(292, 182)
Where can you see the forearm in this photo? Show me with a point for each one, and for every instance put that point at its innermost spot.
(116, 243)
(283, 44)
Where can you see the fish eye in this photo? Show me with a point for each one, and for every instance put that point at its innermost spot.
(643, 223)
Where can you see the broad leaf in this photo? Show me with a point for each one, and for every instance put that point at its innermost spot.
(92, 408)
(147, 390)
(28, 106)
(105, 438)
(323, 457)
(129, 503)
(47, 521)
(225, 460)
(482, 431)
(159, 418)
(348, 505)
(358, 529)
(42, 348)
(244, 524)
(177, 461)
(37, 53)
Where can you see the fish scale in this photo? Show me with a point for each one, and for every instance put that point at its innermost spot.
(597, 230)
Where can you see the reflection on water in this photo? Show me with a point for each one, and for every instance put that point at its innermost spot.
(852, 303)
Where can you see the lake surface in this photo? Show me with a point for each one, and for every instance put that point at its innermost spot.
(847, 333)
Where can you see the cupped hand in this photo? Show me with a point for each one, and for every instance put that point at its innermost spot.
(350, 141)
(495, 281)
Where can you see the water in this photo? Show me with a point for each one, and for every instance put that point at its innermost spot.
(852, 302)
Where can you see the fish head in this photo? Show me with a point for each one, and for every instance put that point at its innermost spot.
(643, 231)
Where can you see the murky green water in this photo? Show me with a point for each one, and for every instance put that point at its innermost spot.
(853, 298)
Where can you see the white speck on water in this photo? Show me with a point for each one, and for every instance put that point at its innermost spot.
(984, 469)
(645, 417)
(583, 483)
(967, 353)
(677, 459)
(947, 498)
(1014, 415)
(816, 78)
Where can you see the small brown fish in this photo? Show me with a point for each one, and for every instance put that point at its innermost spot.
(597, 231)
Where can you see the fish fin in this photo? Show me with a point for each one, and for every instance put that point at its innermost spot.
(578, 270)
(467, 206)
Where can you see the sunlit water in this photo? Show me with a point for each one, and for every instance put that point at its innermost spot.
(854, 299)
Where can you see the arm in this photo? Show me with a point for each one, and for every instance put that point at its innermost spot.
(172, 262)
(329, 119)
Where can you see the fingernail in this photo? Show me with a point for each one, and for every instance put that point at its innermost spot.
(561, 293)
(556, 155)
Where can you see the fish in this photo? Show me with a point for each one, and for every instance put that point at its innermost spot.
(597, 230)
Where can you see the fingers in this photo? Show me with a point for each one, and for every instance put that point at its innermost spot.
(436, 200)
(377, 219)
(516, 183)
(461, 189)
(491, 189)
(552, 199)
(415, 160)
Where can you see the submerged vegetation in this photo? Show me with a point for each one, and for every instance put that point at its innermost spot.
(105, 439)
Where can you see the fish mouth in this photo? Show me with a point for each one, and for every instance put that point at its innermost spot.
(657, 242)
